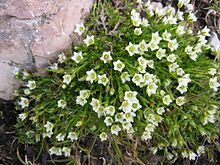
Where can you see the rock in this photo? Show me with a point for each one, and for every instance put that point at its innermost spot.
(33, 32)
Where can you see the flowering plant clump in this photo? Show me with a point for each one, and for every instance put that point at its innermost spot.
(140, 74)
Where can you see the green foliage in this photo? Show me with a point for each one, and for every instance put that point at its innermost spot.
(131, 85)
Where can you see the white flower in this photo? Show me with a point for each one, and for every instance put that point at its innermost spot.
(125, 77)
(67, 79)
(166, 35)
(49, 126)
(119, 117)
(182, 88)
(180, 72)
(205, 31)
(152, 89)
(106, 56)
(192, 155)
(79, 29)
(160, 110)
(191, 17)
(171, 58)
(132, 49)
(180, 100)
(138, 79)
(66, 151)
(136, 21)
(213, 83)
(102, 79)
(72, 136)
(100, 111)
(179, 15)
(129, 116)
(180, 30)
(193, 56)
(212, 71)
(148, 78)
(95, 104)
(84, 94)
(80, 100)
(153, 45)
(31, 84)
(150, 64)
(215, 43)
(135, 106)
(184, 80)
(173, 45)
(118, 65)
(188, 49)
(22, 116)
(60, 137)
(167, 100)
(115, 129)
(61, 103)
(200, 150)
(173, 67)
(55, 151)
(110, 110)
(146, 135)
(161, 53)
(47, 134)
(54, 66)
(184, 154)
(24, 102)
(103, 136)
(155, 37)
(144, 22)
(126, 125)
(143, 47)
(142, 61)
(91, 75)
(77, 57)
(125, 106)
(162, 92)
(61, 58)
(89, 40)
(130, 96)
(137, 31)
(108, 121)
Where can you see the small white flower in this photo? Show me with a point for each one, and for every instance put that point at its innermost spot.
(55, 151)
(89, 40)
(118, 65)
(66, 151)
(60, 137)
(179, 15)
(151, 89)
(136, 21)
(129, 116)
(191, 17)
(171, 58)
(24, 102)
(79, 29)
(173, 45)
(126, 125)
(162, 92)
(119, 117)
(167, 100)
(49, 126)
(108, 121)
(16, 71)
(77, 57)
(47, 134)
(148, 78)
(205, 31)
(213, 83)
(173, 67)
(102, 79)
(31, 84)
(54, 67)
(100, 111)
(22, 116)
(180, 30)
(161, 53)
(166, 35)
(106, 56)
(132, 49)
(135, 106)
(193, 56)
(95, 104)
(61, 58)
(61, 103)
(182, 88)
(188, 49)
(144, 22)
(180, 72)
(72, 136)
(160, 110)
(155, 37)
(80, 100)
(184, 80)
(146, 135)
(137, 31)
(153, 45)
(200, 150)
(180, 100)
(150, 64)
(142, 61)
(138, 79)
(115, 129)
(91, 75)
(192, 155)
(110, 110)
(125, 77)
(125, 106)
(103, 136)
(184, 154)
(212, 71)
(67, 79)
(143, 47)
(131, 96)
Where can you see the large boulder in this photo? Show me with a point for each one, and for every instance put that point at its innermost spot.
(34, 31)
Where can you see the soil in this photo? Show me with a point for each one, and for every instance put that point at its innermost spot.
(8, 140)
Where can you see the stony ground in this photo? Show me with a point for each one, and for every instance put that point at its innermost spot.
(208, 14)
